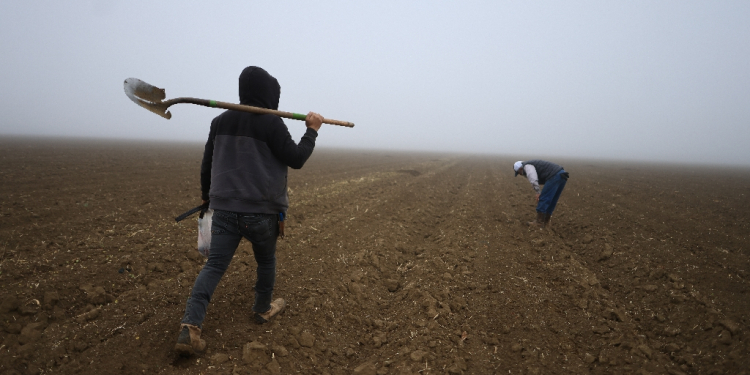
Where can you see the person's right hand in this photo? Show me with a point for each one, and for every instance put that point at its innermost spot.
(314, 121)
(537, 197)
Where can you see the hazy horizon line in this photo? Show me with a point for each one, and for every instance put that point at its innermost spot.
(516, 156)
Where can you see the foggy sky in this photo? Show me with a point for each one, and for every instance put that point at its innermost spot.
(632, 80)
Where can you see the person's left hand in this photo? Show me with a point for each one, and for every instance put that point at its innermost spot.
(313, 121)
(537, 198)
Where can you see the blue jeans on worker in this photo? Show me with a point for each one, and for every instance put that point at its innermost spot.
(551, 193)
(227, 229)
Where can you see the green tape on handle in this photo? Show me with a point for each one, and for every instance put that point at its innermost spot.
(212, 103)
(298, 116)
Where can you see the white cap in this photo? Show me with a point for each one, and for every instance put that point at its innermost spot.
(517, 165)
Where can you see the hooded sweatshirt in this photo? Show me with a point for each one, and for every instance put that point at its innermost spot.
(247, 155)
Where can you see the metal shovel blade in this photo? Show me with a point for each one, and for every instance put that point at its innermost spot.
(147, 96)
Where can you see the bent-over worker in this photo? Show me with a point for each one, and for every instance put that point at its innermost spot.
(553, 177)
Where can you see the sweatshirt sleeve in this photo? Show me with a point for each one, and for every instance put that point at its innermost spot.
(285, 149)
(208, 156)
(532, 176)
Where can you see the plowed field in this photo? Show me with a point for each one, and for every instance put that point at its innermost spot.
(393, 263)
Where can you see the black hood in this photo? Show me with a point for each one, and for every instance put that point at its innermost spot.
(259, 89)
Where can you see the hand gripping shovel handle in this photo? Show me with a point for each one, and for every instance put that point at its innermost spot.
(150, 97)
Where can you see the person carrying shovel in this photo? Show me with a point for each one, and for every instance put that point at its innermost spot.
(244, 180)
(553, 177)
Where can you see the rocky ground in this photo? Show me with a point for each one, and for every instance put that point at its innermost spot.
(393, 263)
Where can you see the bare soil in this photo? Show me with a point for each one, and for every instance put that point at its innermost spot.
(393, 263)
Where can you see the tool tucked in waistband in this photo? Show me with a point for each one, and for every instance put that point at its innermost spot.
(191, 211)
(281, 224)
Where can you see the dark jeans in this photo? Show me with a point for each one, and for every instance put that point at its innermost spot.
(551, 193)
(227, 229)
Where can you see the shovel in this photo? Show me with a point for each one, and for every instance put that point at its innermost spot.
(150, 97)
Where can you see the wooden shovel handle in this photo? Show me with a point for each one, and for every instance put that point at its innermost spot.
(248, 108)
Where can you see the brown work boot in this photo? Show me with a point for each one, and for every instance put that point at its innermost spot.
(547, 221)
(277, 306)
(539, 222)
(189, 342)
